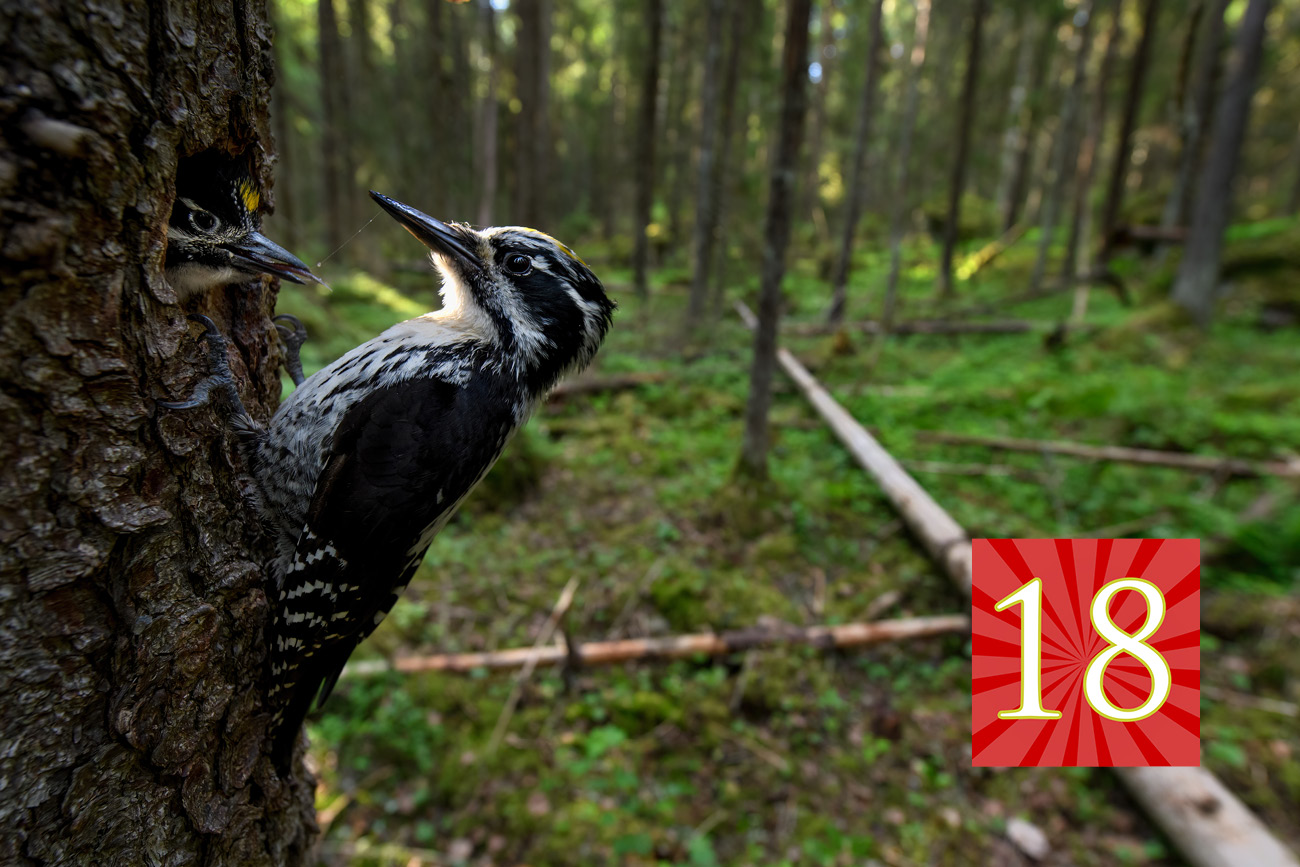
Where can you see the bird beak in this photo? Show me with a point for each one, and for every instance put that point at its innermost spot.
(434, 234)
(259, 253)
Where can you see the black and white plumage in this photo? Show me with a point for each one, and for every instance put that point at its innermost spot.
(367, 460)
(213, 236)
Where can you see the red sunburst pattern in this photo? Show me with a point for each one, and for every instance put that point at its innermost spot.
(1072, 572)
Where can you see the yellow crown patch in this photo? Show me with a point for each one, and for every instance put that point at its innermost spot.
(559, 244)
(250, 195)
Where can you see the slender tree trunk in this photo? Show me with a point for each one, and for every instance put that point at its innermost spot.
(1076, 245)
(286, 222)
(1018, 190)
(907, 123)
(677, 126)
(1064, 145)
(1197, 111)
(533, 137)
(1017, 115)
(858, 180)
(334, 159)
(645, 157)
(1124, 147)
(131, 583)
(487, 191)
(741, 17)
(963, 149)
(776, 232)
(1196, 286)
(705, 203)
(810, 190)
(1293, 201)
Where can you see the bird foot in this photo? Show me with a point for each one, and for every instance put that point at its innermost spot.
(293, 336)
(220, 379)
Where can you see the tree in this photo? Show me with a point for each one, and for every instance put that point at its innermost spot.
(1198, 274)
(740, 22)
(810, 190)
(955, 189)
(645, 156)
(336, 155)
(1014, 138)
(907, 126)
(705, 202)
(1123, 149)
(488, 118)
(532, 141)
(856, 193)
(131, 580)
(776, 235)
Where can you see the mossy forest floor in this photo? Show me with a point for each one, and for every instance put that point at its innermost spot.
(792, 756)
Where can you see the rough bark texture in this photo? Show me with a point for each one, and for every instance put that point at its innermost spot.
(645, 156)
(533, 82)
(856, 194)
(334, 152)
(776, 235)
(488, 118)
(131, 587)
(1198, 274)
(963, 149)
(705, 203)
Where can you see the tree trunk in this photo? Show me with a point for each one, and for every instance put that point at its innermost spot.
(1198, 273)
(645, 156)
(1197, 110)
(705, 204)
(1017, 117)
(963, 148)
(856, 193)
(487, 191)
(1123, 148)
(776, 232)
(1024, 157)
(131, 580)
(810, 190)
(741, 18)
(1076, 245)
(532, 141)
(1064, 145)
(286, 225)
(335, 162)
(898, 211)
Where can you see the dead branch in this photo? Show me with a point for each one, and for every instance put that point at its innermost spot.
(982, 258)
(1149, 457)
(597, 384)
(672, 647)
(1210, 827)
(924, 326)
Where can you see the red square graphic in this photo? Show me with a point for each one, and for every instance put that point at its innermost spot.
(1069, 669)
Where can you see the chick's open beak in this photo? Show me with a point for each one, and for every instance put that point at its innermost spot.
(259, 253)
(434, 234)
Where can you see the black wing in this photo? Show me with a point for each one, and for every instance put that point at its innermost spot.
(400, 461)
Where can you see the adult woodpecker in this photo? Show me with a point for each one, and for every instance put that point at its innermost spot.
(212, 234)
(368, 458)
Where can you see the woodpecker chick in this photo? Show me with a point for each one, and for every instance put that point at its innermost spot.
(367, 459)
(212, 235)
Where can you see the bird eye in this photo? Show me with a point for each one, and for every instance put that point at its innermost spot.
(518, 264)
(204, 222)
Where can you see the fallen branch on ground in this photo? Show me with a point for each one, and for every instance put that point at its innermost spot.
(1208, 824)
(1149, 457)
(597, 384)
(925, 326)
(979, 260)
(595, 653)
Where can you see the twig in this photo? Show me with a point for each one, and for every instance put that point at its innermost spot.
(1124, 454)
(647, 581)
(923, 326)
(596, 384)
(548, 629)
(883, 603)
(671, 647)
(950, 469)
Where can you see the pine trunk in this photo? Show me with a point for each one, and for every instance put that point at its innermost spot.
(333, 158)
(705, 203)
(858, 180)
(487, 191)
(958, 184)
(645, 156)
(1196, 286)
(131, 580)
(776, 235)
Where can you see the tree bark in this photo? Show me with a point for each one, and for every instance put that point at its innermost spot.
(776, 233)
(856, 193)
(955, 189)
(131, 580)
(705, 203)
(1063, 148)
(1013, 140)
(335, 161)
(532, 142)
(1024, 156)
(487, 191)
(740, 23)
(1198, 274)
(645, 156)
(1124, 147)
(1197, 110)
(898, 210)
(810, 190)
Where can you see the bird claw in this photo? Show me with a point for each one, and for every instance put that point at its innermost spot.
(293, 337)
(220, 377)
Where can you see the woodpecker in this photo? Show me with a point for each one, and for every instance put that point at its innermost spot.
(212, 235)
(368, 458)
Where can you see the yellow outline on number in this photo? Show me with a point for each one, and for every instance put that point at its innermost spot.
(1031, 658)
(1134, 645)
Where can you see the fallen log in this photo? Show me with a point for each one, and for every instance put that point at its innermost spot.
(1124, 454)
(1208, 824)
(981, 259)
(925, 326)
(595, 653)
